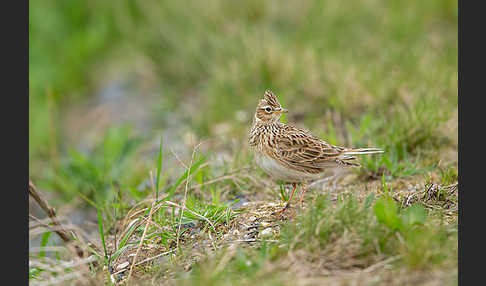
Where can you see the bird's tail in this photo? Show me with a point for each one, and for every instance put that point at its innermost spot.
(361, 151)
(346, 158)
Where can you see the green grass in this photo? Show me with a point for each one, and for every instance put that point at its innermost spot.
(90, 174)
(343, 236)
(448, 175)
(361, 74)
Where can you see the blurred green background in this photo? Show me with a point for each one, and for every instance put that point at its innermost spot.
(110, 80)
(105, 78)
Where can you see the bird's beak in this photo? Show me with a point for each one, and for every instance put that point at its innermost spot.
(283, 110)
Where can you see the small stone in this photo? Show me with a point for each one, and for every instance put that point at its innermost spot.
(266, 232)
(240, 204)
(264, 223)
(272, 205)
(252, 218)
(247, 204)
(188, 225)
(123, 265)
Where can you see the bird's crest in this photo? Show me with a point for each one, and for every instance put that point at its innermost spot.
(271, 99)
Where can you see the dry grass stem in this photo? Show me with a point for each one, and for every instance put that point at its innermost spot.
(141, 242)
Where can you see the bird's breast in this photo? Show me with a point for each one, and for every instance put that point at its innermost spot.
(276, 170)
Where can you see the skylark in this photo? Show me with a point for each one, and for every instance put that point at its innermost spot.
(291, 154)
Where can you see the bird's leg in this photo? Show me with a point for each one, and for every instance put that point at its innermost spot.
(294, 185)
(290, 199)
(304, 188)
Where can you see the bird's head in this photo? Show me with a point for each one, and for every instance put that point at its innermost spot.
(269, 108)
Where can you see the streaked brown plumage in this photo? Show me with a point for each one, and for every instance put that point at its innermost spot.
(293, 154)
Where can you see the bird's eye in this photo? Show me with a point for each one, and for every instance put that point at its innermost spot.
(268, 109)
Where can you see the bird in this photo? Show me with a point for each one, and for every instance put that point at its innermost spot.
(291, 154)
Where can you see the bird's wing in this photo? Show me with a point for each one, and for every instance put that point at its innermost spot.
(299, 149)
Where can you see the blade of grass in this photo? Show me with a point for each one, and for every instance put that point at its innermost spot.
(127, 236)
(194, 167)
(141, 241)
(45, 239)
(102, 234)
(159, 169)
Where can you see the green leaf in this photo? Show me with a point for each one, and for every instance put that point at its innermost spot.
(386, 211)
(414, 215)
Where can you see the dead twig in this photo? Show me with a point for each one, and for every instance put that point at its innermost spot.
(380, 264)
(67, 237)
